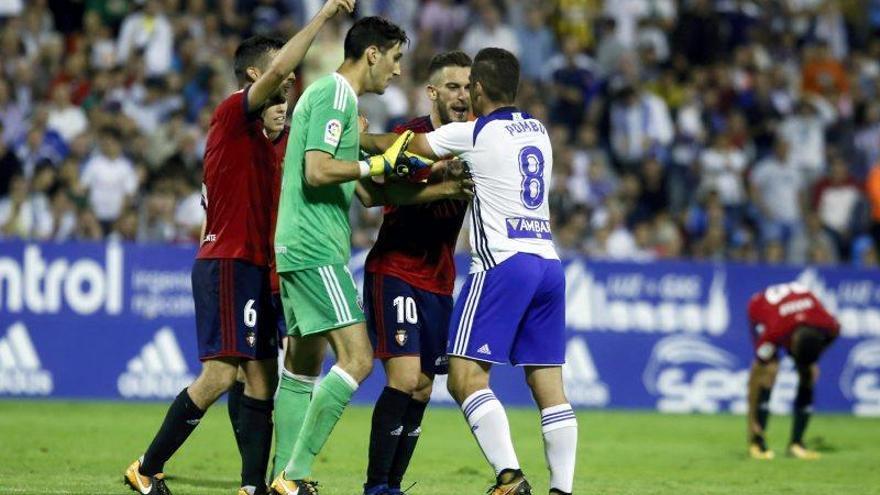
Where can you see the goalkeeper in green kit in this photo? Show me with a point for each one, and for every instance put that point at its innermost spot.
(312, 244)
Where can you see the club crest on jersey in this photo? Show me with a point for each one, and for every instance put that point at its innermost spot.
(251, 339)
(528, 228)
(400, 337)
(333, 132)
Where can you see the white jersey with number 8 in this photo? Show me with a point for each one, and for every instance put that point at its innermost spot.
(511, 160)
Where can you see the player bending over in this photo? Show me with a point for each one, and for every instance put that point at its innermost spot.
(512, 307)
(230, 274)
(786, 316)
(313, 246)
(410, 274)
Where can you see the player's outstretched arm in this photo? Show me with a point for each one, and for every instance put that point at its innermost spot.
(322, 169)
(293, 52)
(376, 143)
(404, 193)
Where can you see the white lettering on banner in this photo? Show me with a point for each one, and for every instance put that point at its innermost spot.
(582, 384)
(632, 302)
(159, 371)
(21, 372)
(40, 287)
(855, 303)
(690, 375)
(158, 293)
(860, 379)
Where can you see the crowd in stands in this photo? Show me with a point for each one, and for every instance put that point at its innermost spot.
(704, 129)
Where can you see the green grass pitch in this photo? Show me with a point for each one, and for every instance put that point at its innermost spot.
(49, 447)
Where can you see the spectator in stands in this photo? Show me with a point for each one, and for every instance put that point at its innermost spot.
(38, 201)
(572, 78)
(641, 127)
(63, 213)
(836, 198)
(110, 179)
(12, 116)
(443, 21)
(65, 118)
(610, 49)
(698, 32)
(537, 44)
(39, 144)
(654, 191)
(872, 187)
(9, 165)
(15, 215)
(722, 167)
(813, 244)
(147, 32)
(778, 192)
(867, 138)
(822, 72)
(489, 31)
(804, 131)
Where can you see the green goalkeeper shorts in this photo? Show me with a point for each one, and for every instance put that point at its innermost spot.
(317, 300)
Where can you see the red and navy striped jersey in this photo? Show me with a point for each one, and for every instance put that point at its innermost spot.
(417, 242)
(237, 189)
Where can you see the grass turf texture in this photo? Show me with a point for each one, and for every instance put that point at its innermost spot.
(49, 447)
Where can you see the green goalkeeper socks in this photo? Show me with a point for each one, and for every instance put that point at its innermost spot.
(331, 397)
(291, 404)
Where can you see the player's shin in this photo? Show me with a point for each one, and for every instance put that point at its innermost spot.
(255, 422)
(291, 404)
(762, 415)
(412, 430)
(385, 434)
(803, 408)
(233, 407)
(559, 427)
(181, 419)
(488, 422)
(331, 397)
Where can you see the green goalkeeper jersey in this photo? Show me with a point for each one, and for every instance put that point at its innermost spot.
(313, 228)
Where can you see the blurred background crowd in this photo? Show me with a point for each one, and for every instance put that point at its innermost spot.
(703, 129)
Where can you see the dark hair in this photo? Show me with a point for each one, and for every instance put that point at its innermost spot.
(372, 31)
(455, 58)
(497, 70)
(807, 344)
(109, 131)
(250, 53)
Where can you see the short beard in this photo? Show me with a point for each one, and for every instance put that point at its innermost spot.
(443, 114)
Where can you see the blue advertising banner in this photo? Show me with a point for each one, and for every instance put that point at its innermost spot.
(116, 321)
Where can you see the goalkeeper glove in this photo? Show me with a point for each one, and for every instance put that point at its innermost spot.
(419, 166)
(387, 162)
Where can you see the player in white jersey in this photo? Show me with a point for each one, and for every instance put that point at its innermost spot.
(512, 308)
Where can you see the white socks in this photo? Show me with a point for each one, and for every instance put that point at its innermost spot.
(559, 426)
(489, 425)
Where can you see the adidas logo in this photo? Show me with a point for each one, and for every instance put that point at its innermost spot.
(20, 370)
(415, 433)
(158, 372)
(397, 431)
(484, 349)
